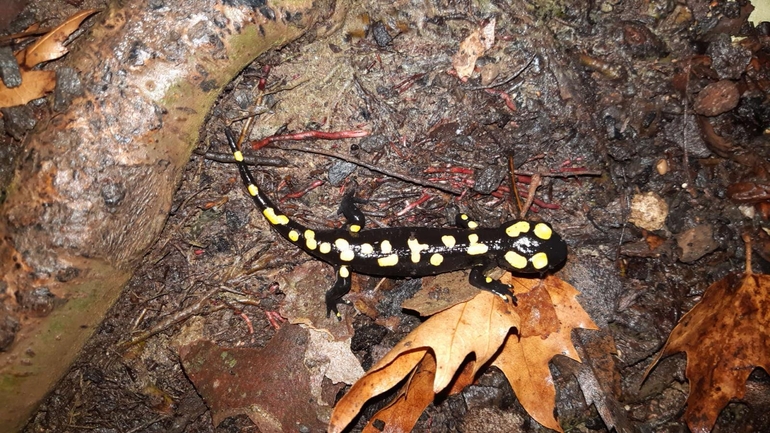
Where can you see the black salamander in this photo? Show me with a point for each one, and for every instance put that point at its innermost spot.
(519, 245)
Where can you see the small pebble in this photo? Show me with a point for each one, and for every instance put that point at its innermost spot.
(648, 211)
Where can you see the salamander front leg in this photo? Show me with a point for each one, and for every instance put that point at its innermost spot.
(480, 281)
(464, 221)
(340, 288)
(352, 213)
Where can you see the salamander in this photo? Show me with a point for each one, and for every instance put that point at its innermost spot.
(519, 245)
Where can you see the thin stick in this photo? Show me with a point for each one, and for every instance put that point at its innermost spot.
(374, 168)
(747, 245)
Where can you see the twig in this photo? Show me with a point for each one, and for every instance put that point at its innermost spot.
(534, 183)
(305, 135)
(506, 81)
(374, 168)
(175, 318)
(747, 246)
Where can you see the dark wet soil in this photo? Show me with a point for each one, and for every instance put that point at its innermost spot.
(659, 97)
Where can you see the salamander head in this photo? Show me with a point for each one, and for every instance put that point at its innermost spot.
(532, 247)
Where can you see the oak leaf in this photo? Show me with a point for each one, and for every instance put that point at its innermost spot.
(446, 352)
(35, 84)
(725, 336)
(51, 45)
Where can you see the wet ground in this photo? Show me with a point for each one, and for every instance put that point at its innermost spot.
(657, 98)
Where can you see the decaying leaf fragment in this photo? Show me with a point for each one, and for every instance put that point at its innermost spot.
(436, 354)
(35, 84)
(51, 45)
(725, 336)
(473, 47)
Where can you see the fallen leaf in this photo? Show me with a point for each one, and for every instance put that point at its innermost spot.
(51, 45)
(545, 315)
(478, 326)
(34, 84)
(270, 385)
(441, 292)
(305, 288)
(599, 379)
(402, 413)
(552, 314)
(725, 337)
(473, 47)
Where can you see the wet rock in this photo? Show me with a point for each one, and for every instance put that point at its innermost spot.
(68, 86)
(39, 301)
(489, 179)
(339, 171)
(9, 68)
(728, 60)
(717, 98)
(381, 35)
(8, 328)
(696, 243)
(18, 120)
(373, 143)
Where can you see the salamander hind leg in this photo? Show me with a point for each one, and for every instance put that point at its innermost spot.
(478, 280)
(340, 288)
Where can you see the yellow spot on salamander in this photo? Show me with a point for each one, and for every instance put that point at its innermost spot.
(436, 259)
(238, 156)
(253, 190)
(516, 260)
(355, 228)
(390, 260)
(539, 260)
(516, 229)
(472, 225)
(488, 280)
(367, 249)
(342, 244)
(475, 248)
(275, 219)
(347, 255)
(415, 247)
(543, 231)
(294, 235)
(463, 217)
(386, 247)
(310, 241)
(448, 240)
(344, 272)
(325, 247)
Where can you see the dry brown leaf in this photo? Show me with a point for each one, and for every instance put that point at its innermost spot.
(34, 84)
(525, 361)
(440, 292)
(473, 47)
(478, 326)
(270, 385)
(546, 314)
(402, 413)
(51, 45)
(725, 336)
